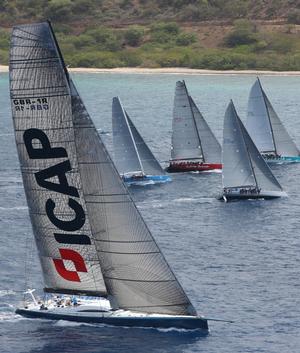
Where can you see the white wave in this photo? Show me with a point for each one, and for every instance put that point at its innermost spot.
(65, 323)
(5, 292)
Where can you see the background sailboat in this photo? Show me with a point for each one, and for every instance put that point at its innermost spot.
(91, 238)
(267, 131)
(194, 146)
(134, 160)
(245, 174)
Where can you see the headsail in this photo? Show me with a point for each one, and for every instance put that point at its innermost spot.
(211, 147)
(237, 168)
(135, 272)
(285, 145)
(150, 164)
(125, 150)
(265, 127)
(241, 154)
(44, 130)
(186, 143)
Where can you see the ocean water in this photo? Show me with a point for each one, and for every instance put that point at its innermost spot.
(238, 261)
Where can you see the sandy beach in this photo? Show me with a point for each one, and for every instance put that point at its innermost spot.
(174, 71)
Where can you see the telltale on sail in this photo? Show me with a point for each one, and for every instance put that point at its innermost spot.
(134, 160)
(266, 129)
(92, 241)
(194, 146)
(245, 174)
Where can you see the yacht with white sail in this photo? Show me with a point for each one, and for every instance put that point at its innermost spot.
(194, 146)
(266, 129)
(91, 239)
(133, 158)
(245, 174)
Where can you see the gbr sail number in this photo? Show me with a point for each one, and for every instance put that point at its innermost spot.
(23, 104)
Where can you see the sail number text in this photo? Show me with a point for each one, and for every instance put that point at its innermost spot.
(31, 104)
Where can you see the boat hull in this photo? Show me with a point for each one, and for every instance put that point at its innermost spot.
(108, 318)
(192, 167)
(146, 179)
(282, 160)
(268, 195)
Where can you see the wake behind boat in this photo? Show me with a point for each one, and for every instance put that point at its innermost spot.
(134, 160)
(245, 174)
(194, 146)
(267, 131)
(90, 236)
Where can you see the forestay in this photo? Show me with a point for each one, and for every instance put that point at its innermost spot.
(185, 138)
(135, 272)
(237, 169)
(150, 164)
(211, 147)
(42, 114)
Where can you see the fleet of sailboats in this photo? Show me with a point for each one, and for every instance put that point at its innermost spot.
(99, 260)
(133, 158)
(266, 129)
(245, 174)
(194, 146)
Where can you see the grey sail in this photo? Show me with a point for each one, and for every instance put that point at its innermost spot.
(44, 131)
(135, 272)
(125, 150)
(237, 169)
(263, 174)
(211, 147)
(150, 164)
(186, 143)
(258, 121)
(285, 146)
(239, 146)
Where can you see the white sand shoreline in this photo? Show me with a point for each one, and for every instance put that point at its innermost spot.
(175, 71)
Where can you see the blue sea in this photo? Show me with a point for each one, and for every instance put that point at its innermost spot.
(238, 261)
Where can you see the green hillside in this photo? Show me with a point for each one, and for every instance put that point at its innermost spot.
(210, 34)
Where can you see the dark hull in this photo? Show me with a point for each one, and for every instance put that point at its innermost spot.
(247, 197)
(188, 323)
(192, 167)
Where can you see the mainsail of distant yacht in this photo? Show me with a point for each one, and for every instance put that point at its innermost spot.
(194, 146)
(266, 129)
(133, 158)
(245, 173)
(91, 238)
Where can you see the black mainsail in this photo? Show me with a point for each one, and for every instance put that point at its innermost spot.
(91, 230)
